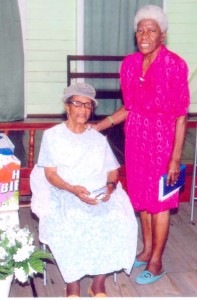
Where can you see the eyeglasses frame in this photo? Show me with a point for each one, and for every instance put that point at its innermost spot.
(73, 102)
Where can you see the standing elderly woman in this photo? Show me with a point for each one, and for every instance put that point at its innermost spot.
(154, 82)
(88, 235)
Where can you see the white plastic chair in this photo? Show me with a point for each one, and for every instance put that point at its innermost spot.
(43, 246)
(39, 202)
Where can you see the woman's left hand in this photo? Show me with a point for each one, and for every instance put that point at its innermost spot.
(173, 172)
(106, 197)
(110, 190)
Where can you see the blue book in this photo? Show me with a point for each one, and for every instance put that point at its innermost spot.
(165, 191)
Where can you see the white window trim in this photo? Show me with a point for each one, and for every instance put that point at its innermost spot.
(23, 12)
(165, 5)
(80, 35)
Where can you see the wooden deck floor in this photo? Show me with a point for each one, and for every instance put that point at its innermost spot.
(180, 262)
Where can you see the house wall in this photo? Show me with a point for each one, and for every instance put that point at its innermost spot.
(51, 34)
(182, 38)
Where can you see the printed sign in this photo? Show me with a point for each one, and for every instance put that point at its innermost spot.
(9, 182)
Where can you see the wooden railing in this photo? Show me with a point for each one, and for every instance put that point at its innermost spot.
(32, 125)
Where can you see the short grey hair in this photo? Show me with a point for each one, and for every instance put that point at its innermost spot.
(152, 12)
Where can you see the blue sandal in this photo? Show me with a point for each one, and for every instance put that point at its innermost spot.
(147, 277)
(138, 263)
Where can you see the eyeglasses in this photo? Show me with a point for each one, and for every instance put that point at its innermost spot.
(81, 104)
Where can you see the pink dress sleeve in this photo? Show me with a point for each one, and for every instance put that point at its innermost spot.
(180, 90)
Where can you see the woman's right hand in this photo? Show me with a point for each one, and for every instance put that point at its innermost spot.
(96, 126)
(82, 193)
(173, 172)
(93, 125)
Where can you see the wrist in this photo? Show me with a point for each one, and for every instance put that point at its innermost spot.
(110, 119)
(176, 159)
(111, 184)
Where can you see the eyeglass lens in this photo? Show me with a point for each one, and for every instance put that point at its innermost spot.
(80, 104)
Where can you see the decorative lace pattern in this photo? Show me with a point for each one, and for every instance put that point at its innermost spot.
(154, 102)
(85, 239)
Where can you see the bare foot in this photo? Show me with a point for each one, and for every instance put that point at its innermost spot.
(154, 268)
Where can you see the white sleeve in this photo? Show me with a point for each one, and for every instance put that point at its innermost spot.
(111, 162)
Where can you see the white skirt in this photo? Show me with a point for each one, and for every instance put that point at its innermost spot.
(87, 239)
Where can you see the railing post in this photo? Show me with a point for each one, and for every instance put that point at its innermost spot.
(31, 148)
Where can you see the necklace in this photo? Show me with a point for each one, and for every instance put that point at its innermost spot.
(141, 80)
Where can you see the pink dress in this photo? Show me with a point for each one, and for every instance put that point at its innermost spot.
(153, 102)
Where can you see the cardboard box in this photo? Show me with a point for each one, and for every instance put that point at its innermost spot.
(9, 176)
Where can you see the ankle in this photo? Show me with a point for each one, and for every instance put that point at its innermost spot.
(154, 267)
(143, 256)
(73, 288)
(98, 284)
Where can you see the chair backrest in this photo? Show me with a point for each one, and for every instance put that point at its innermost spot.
(40, 188)
(101, 93)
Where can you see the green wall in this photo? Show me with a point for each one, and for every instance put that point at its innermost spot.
(52, 34)
(182, 38)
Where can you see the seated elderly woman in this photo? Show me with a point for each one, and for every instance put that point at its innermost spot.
(89, 223)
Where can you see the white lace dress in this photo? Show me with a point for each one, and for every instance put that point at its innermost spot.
(85, 239)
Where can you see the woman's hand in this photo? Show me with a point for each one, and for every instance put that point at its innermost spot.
(82, 193)
(102, 198)
(174, 164)
(94, 125)
(173, 172)
(106, 197)
(110, 190)
(117, 117)
(112, 179)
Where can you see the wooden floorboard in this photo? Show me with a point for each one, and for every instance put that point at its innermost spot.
(180, 262)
